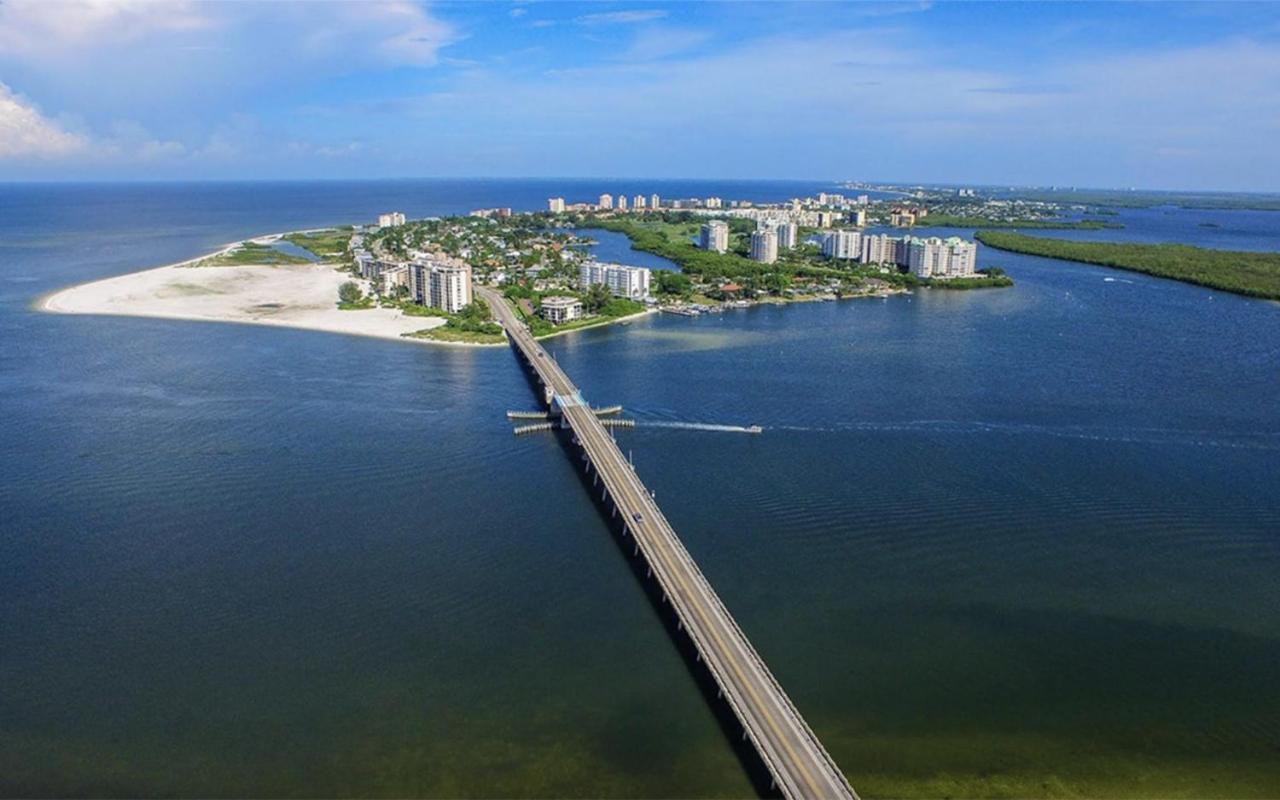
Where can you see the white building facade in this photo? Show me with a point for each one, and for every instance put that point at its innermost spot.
(844, 245)
(623, 281)
(764, 247)
(788, 235)
(559, 310)
(714, 236)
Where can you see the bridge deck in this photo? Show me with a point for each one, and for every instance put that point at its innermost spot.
(799, 764)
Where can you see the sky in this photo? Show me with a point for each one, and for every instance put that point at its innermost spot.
(1145, 95)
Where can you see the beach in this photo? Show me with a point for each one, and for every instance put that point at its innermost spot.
(288, 295)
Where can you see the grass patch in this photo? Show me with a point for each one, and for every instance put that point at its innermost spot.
(1249, 274)
(447, 334)
(324, 245)
(252, 254)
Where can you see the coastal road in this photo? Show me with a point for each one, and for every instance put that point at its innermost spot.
(797, 761)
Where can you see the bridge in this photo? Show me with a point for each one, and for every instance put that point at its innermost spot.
(796, 760)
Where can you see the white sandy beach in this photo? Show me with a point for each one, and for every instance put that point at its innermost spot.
(294, 296)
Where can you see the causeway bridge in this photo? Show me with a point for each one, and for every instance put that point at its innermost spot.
(796, 760)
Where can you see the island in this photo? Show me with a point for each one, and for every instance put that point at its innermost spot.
(413, 280)
(1246, 273)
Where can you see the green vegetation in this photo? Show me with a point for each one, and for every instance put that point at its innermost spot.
(252, 254)
(351, 298)
(952, 221)
(472, 324)
(601, 307)
(326, 245)
(990, 278)
(1250, 274)
(445, 333)
(667, 235)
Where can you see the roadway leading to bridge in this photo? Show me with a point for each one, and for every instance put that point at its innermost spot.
(799, 764)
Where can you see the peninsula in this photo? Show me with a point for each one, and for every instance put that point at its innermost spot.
(413, 279)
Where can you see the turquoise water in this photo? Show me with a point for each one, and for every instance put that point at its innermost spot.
(998, 543)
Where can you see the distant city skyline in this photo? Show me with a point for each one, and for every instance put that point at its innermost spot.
(1177, 96)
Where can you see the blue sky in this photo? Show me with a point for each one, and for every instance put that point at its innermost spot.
(1152, 95)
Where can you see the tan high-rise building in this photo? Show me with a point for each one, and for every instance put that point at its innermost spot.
(714, 236)
(764, 247)
(606, 201)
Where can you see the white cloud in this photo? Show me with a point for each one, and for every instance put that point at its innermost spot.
(655, 42)
(620, 17)
(26, 133)
(45, 28)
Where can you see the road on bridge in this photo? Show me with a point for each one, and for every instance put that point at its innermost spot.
(799, 764)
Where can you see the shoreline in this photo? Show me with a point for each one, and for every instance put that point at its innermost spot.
(298, 296)
(63, 300)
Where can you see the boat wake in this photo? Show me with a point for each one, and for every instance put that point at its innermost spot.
(704, 426)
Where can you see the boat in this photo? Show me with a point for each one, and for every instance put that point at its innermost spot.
(754, 429)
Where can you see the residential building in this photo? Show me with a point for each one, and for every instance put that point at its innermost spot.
(844, 245)
(714, 202)
(637, 202)
(879, 249)
(764, 247)
(623, 281)
(450, 287)
(390, 220)
(714, 236)
(827, 218)
(858, 217)
(556, 205)
(655, 202)
(941, 259)
(622, 202)
(396, 276)
(606, 201)
(559, 310)
(788, 235)
(442, 285)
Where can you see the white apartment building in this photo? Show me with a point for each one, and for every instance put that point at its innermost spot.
(623, 281)
(655, 201)
(446, 286)
(879, 249)
(556, 205)
(936, 258)
(637, 202)
(622, 202)
(845, 245)
(788, 235)
(606, 201)
(396, 276)
(559, 310)
(858, 217)
(390, 220)
(714, 202)
(714, 236)
(764, 247)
